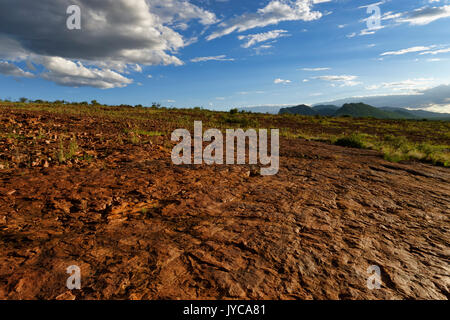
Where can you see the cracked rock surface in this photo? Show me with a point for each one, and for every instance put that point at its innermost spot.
(140, 227)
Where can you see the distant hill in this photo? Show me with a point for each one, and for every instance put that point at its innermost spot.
(362, 110)
(399, 113)
(262, 109)
(302, 109)
(356, 110)
(326, 110)
(420, 114)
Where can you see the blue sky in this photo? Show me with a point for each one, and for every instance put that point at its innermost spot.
(225, 54)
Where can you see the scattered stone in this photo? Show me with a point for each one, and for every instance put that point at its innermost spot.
(68, 295)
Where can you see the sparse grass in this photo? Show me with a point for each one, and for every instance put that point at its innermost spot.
(354, 140)
(134, 135)
(397, 140)
(120, 139)
(396, 149)
(238, 120)
(86, 157)
(399, 148)
(14, 136)
(62, 155)
(134, 138)
(149, 133)
(73, 148)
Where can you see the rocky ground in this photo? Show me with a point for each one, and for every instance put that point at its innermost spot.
(140, 227)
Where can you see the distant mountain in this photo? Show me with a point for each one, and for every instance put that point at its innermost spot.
(302, 109)
(262, 109)
(399, 113)
(356, 110)
(362, 110)
(327, 110)
(419, 100)
(420, 114)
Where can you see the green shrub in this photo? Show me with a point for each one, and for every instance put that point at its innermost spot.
(396, 141)
(240, 120)
(355, 140)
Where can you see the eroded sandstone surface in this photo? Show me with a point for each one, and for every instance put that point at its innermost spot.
(140, 227)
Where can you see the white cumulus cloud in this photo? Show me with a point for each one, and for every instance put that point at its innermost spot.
(274, 12)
